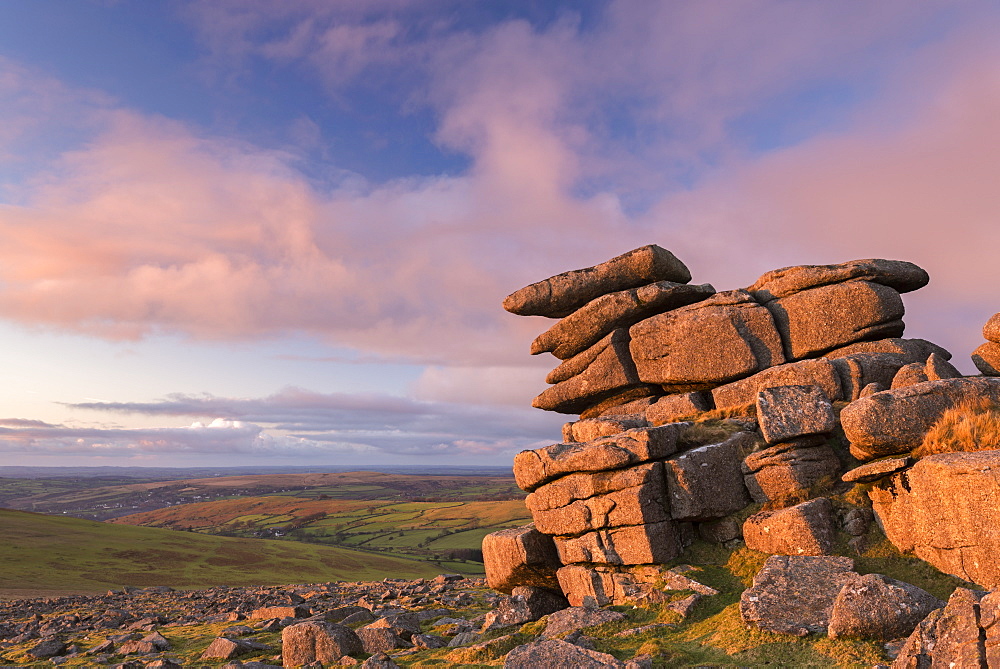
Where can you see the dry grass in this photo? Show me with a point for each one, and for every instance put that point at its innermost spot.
(973, 425)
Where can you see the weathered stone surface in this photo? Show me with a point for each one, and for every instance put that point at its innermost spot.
(950, 637)
(946, 510)
(787, 412)
(911, 350)
(723, 338)
(874, 606)
(991, 331)
(873, 471)
(629, 408)
(533, 468)
(895, 421)
(379, 661)
(573, 487)
(643, 502)
(937, 367)
(603, 585)
(820, 372)
(804, 529)
(638, 544)
(909, 375)
(324, 642)
(898, 274)
(821, 319)
(789, 470)
(677, 579)
(795, 594)
(558, 653)
(578, 618)
(720, 531)
(564, 293)
(226, 649)
(671, 408)
(380, 639)
(597, 318)
(269, 612)
(596, 428)
(986, 358)
(609, 373)
(858, 371)
(520, 556)
(47, 648)
(620, 402)
(525, 604)
(404, 624)
(707, 482)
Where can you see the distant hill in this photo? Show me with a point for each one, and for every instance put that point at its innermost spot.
(47, 555)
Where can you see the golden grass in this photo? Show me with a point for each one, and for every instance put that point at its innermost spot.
(973, 425)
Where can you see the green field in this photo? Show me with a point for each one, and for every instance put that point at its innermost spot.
(48, 555)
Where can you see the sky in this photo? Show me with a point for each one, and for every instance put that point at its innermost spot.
(239, 232)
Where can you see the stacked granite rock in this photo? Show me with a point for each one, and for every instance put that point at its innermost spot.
(987, 356)
(642, 349)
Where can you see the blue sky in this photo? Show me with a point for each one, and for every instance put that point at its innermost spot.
(279, 233)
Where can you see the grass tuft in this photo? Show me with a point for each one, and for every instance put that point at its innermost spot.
(972, 425)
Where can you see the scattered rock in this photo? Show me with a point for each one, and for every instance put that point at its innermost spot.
(525, 604)
(576, 618)
(963, 634)
(557, 653)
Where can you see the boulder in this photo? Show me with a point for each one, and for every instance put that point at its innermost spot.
(596, 428)
(381, 639)
(804, 529)
(723, 338)
(520, 556)
(564, 293)
(818, 320)
(986, 358)
(911, 350)
(895, 421)
(642, 503)
(525, 604)
(909, 375)
(858, 371)
(379, 661)
(609, 374)
(632, 447)
(558, 653)
(787, 412)
(946, 510)
(991, 331)
(46, 648)
(226, 649)
(308, 642)
(637, 544)
(873, 471)
(789, 470)
(577, 618)
(962, 634)
(795, 594)
(937, 367)
(874, 606)
(269, 612)
(671, 408)
(586, 326)
(898, 274)
(707, 482)
(608, 585)
(822, 373)
(403, 624)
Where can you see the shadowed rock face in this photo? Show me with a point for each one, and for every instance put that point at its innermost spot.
(946, 510)
(520, 556)
(962, 634)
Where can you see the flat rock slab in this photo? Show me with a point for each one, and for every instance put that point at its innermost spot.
(898, 274)
(912, 350)
(895, 421)
(804, 529)
(534, 468)
(946, 509)
(795, 595)
(558, 653)
(787, 412)
(594, 320)
(597, 428)
(564, 293)
(577, 618)
(873, 471)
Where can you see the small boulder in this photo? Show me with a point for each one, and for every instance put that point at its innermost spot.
(804, 529)
(525, 604)
(787, 412)
(986, 358)
(558, 653)
(962, 634)
(304, 643)
(909, 375)
(789, 470)
(380, 639)
(576, 618)
(520, 556)
(671, 408)
(874, 606)
(991, 331)
(873, 471)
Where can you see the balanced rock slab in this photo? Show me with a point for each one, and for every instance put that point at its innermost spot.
(637, 544)
(723, 338)
(895, 421)
(898, 274)
(597, 318)
(874, 606)
(596, 428)
(787, 412)
(564, 293)
(986, 358)
(991, 331)
(911, 350)
(795, 594)
(790, 469)
(520, 556)
(707, 482)
(822, 373)
(632, 447)
(804, 529)
(817, 320)
(946, 510)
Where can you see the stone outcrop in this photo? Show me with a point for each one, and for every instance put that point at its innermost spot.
(946, 510)
(706, 482)
(965, 633)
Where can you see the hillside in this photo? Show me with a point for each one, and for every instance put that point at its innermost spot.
(47, 555)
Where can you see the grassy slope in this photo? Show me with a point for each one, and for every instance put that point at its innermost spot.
(60, 554)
